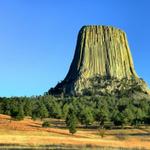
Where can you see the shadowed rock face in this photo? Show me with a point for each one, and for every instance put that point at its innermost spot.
(100, 51)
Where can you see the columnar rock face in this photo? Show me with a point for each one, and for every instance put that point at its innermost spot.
(100, 51)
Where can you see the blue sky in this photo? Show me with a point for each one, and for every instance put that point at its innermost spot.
(38, 38)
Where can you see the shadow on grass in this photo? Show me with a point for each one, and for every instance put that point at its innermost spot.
(131, 134)
(61, 147)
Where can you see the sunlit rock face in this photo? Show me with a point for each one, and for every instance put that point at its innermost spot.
(101, 51)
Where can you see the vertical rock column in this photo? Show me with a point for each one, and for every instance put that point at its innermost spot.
(102, 51)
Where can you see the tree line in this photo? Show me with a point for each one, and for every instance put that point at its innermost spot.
(103, 111)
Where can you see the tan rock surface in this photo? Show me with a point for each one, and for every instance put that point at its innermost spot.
(102, 51)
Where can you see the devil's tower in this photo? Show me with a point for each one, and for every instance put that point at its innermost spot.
(101, 52)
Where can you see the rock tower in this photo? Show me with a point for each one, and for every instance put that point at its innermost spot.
(103, 52)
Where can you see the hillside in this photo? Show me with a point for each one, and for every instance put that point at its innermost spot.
(29, 133)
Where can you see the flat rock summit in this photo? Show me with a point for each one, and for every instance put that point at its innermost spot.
(102, 64)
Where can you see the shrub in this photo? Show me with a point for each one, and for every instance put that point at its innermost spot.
(101, 132)
(46, 124)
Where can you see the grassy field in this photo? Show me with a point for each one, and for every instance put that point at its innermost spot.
(29, 134)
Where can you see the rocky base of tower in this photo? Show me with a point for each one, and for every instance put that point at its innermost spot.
(116, 87)
(104, 86)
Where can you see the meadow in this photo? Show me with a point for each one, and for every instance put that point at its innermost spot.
(29, 134)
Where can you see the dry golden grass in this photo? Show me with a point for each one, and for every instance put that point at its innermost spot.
(29, 132)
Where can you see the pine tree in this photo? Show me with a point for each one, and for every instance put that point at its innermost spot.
(39, 111)
(71, 121)
(28, 108)
(43, 112)
(86, 116)
(18, 114)
(102, 114)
